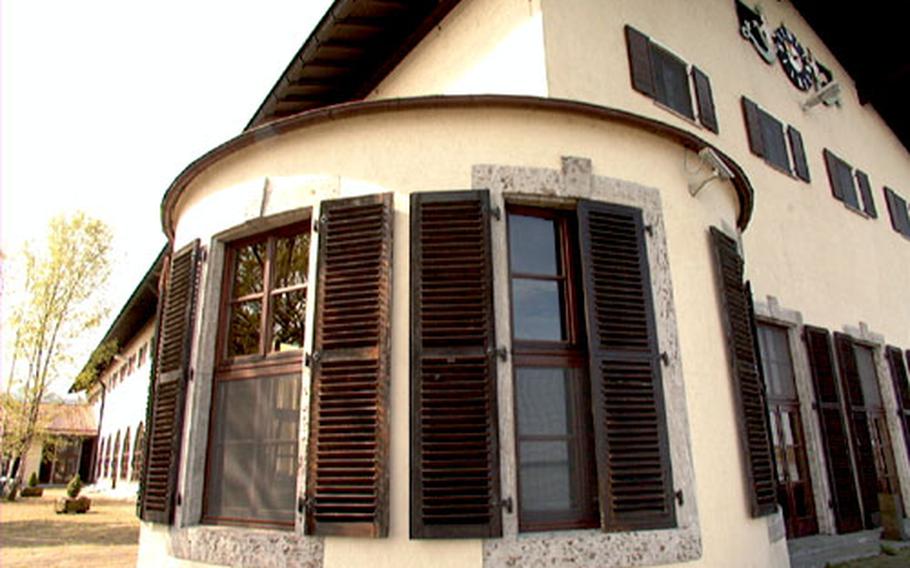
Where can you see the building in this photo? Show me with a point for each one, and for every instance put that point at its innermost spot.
(529, 338)
(120, 367)
(65, 443)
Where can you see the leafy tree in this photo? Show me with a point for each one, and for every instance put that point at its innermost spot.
(58, 300)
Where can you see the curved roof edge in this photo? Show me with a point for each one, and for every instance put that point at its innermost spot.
(741, 183)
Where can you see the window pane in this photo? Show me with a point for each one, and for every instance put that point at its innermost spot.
(288, 320)
(253, 473)
(243, 338)
(291, 260)
(672, 82)
(545, 476)
(776, 362)
(537, 309)
(543, 401)
(865, 364)
(249, 266)
(532, 245)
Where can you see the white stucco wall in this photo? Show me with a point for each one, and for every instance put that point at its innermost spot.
(800, 236)
(124, 405)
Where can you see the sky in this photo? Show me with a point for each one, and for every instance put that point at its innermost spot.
(103, 103)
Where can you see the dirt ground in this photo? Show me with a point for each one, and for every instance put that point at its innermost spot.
(32, 535)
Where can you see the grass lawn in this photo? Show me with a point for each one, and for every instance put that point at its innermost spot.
(32, 535)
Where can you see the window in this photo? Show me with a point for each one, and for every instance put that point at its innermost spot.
(132, 365)
(844, 182)
(665, 78)
(557, 485)
(125, 455)
(562, 415)
(794, 485)
(767, 140)
(252, 470)
(142, 351)
(897, 208)
(137, 453)
(875, 469)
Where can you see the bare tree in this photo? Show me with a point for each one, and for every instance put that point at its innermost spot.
(58, 302)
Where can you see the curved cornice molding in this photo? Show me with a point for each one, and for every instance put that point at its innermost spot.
(686, 139)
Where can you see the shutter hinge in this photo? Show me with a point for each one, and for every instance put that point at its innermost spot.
(311, 359)
(179, 499)
(303, 503)
(679, 498)
(191, 374)
(665, 358)
(500, 352)
(506, 504)
(649, 229)
(319, 223)
(496, 212)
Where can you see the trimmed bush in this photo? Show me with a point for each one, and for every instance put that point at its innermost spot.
(33, 480)
(74, 486)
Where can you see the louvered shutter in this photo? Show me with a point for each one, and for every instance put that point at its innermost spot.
(705, 99)
(897, 209)
(635, 482)
(862, 181)
(347, 470)
(859, 424)
(455, 484)
(800, 165)
(834, 430)
(167, 391)
(747, 384)
(753, 127)
(901, 388)
(639, 49)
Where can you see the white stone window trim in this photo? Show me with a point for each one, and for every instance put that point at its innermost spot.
(862, 335)
(188, 538)
(771, 312)
(590, 548)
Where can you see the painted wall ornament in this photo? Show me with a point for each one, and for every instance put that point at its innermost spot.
(753, 27)
(796, 60)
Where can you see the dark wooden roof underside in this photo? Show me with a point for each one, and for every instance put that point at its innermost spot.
(355, 45)
(870, 42)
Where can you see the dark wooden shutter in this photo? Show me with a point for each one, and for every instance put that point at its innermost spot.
(834, 430)
(635, 482)
(901, 389)
(865, 190)
(705, 99)
(800, 165)
(455, 486)
(639, 48)
(747, 384)
(858, 420)
(897, 209)
(831, 165)
(347, 475)
(753, 127)
(171, 367)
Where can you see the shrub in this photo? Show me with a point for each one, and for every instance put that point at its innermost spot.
(33, 480)
(74, 486)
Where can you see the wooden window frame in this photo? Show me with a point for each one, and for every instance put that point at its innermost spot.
(244, 366)
(569, 353)
(265, 364)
